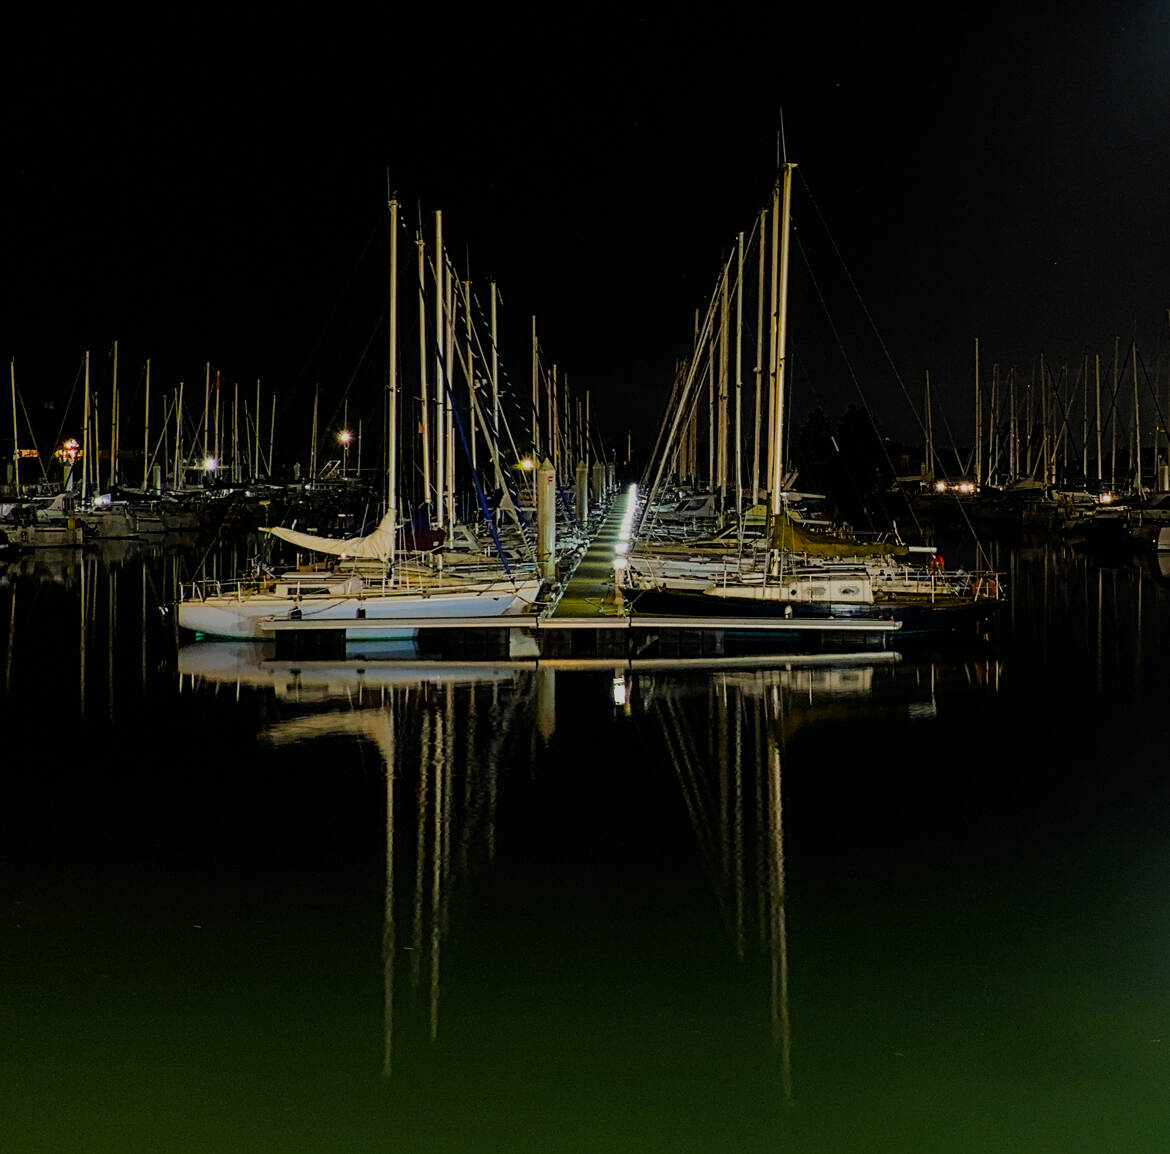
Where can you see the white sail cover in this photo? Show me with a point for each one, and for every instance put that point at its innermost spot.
(379, 543)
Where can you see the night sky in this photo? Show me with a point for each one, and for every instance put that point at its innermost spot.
(213, 186)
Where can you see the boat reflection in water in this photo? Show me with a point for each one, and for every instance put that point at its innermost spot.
(446, 732)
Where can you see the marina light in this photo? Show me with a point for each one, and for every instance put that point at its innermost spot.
(69, 452)
(1106, 498)
(940, 486)
(209, 464)
(526, 464)
(345, 436)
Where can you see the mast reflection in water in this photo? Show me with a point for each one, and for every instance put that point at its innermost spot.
(817, 904)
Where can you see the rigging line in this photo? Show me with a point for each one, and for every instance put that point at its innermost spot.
(849, 367)
(69, 402)
(861, 301)
(32, 435)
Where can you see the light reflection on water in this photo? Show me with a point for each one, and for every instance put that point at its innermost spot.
(886, 903)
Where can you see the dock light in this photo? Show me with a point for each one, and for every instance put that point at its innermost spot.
(69, 452)
(527, 464)
(967, 487)
(940, 486)
(1106, 498)
(345, 436)
(619, 689)
(209, 464)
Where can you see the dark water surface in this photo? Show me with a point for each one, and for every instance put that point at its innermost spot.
(917, 902)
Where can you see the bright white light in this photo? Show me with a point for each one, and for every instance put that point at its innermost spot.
(940, 486)
(345, 436)
(209, 463)
(619, 690)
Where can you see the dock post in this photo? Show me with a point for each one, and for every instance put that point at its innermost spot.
(546, 519)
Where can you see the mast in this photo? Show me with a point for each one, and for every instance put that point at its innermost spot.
(759, 358)
(781, 345)
(392, 380)
(535, 393)
(15, 436)
(440, 333)
(256, 458)
(496, 397)
(85, 436)
(425, 400)
(114, 423)
(1137, 426)
(449, 396)
(146, 433)
(1097, 386)
(271, 438)
(1113, 417)
(773, 308)
(978, 421)
(739, 383)
(179, 478)
(206, 410)
(313, 442)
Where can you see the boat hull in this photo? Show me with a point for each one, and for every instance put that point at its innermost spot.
(245, 618)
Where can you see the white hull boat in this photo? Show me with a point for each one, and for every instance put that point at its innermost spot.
(242, 615)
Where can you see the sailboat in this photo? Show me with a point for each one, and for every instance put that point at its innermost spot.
(364, 584)
(800, 570)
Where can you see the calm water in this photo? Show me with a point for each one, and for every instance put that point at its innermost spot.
(916, 902)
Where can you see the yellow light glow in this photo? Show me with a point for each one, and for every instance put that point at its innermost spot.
(940, 486)
(526, 464)
(345, 436)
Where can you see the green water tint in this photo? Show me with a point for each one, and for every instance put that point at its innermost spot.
(894, 905)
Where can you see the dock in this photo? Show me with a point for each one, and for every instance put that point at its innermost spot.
(589, 620)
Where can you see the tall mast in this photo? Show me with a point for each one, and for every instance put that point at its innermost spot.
(15, 436)
(85, 436)
(773, 308)
(178, 475)
(114, 424)
(313, 442)
(1137, 425)
(449, 396)
(759, 358)
(1097, 387)
(1113, 417)
(535, 393)
(424, 398)
(256, 458)
(146, 433)
(724, 325)
(496, 397)
(739, 383)
(440, 376)
(782, 345)
(392, 380)
(978, 421)
(206, 410)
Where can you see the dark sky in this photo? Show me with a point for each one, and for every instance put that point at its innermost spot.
(213, 186)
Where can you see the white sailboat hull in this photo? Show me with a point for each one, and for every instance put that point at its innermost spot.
(243, 618)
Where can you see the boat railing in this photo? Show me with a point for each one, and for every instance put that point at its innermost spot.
(207, 587)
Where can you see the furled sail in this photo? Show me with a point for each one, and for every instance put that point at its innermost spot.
(379, 543)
